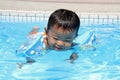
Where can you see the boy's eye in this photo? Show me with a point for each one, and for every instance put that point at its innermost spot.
(55, 38)
(68, 40)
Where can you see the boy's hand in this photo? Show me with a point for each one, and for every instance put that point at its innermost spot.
(73, 57)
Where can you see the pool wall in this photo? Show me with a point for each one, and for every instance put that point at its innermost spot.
(87, 18)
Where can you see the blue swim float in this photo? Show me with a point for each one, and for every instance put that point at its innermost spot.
(31, 45)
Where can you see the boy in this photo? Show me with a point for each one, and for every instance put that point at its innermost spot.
(62, 29)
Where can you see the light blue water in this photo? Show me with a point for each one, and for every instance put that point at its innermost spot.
(100, 64)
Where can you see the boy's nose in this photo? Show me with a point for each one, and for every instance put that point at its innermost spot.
(60, 43)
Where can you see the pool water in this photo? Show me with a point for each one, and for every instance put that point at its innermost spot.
(103, 63)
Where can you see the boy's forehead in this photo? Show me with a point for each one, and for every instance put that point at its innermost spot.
(64, 32)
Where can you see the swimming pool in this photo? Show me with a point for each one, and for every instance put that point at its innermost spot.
(100, 64)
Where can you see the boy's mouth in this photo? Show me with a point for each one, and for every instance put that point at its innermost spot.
(58, 48)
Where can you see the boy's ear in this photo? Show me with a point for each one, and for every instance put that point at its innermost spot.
(45, 30)
(76, 35)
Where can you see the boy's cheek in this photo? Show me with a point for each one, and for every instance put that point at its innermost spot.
(51, 41)
(68, 45)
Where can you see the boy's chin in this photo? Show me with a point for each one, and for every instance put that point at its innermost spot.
(60, 49)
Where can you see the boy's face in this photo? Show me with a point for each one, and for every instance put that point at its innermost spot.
(60, 39)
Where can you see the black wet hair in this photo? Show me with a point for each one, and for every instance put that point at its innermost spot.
(66, 19)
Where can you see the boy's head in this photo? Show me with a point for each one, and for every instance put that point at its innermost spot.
(66, 19)
(62, 28)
